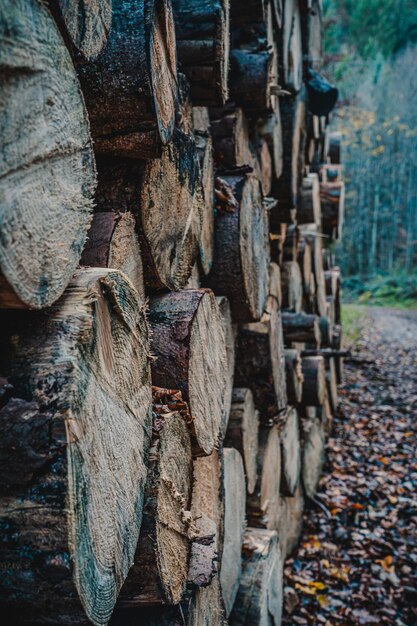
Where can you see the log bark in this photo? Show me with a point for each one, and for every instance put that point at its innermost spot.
(269, 127)
(112, 242)
(85, 24)
(231, 140)
(275, 290)
(241, 247)
(312, 33)
(322, 96)
(326, 331)
(331, 384)
(290, 453)
(300, 328)
(160, 568)
(206, 606)
(234, 526)
(47, 171)
(260, 596)
(230, 333)
(242, 432)
(292, 287)
(332, 197)
(204, 146)
(264, 505)
(314, 385)
(309, 208)
(294, 376)
(81, 386)
(189, 344)
(131, 88)
(202, 34)
(292, 521)
(165, 197)
(317, 237)
(313, 453)
(335, 144)
(291, 54)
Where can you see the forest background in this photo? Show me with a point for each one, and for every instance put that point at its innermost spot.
(371, 54)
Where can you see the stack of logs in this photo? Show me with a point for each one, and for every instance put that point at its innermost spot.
(171, 339)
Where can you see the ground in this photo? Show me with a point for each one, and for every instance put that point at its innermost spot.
(357, 560)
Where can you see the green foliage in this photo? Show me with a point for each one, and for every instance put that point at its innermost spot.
(395, 290)
(353, 317)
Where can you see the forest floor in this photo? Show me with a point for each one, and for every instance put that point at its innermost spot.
(357, 560)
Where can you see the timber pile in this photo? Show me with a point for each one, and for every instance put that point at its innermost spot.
(171, 329)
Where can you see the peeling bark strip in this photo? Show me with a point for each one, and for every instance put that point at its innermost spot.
(47, 173)
(260, 596)
(131, 88)
(241, 248)
(160, 569)
(73, 458)
(189, 344)
(242, 432)
(202, 30)
(86, 23)
(155, 191)
(113, 242)
(291, 453)
(234, 526)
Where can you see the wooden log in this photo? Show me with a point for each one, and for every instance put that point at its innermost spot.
(290, 453)
(294, 376)
(47, 172)
(325, 331)
(275, 290)
(204, 147)
(331, 384)
(301, 328)
(131, 88)
(305, 261)
(269, 127)
(230, 333)
(147, 616)
(241, 247)
(264, 505)
(313, 453)
(265, 165)
(292, 287)
(205, 607)
(317, 239)
(314, 384)
(332, 196)
(230, 132)
(202, 34)
(260, 596)
(160, 568)
(308, 207)
(322, 96)
(312, 32)
(234, 526)
(291, 54)
(112, 242)
(286, 189)
(248, 11)
(242, 432)
(335, 143)
(85, 24)
(291, 243)
(190, 348)
(165, 197)
(72, 462)
(292, 521)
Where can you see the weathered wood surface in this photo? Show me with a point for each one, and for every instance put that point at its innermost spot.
(292, 287)
(230, 132)
(165, 196)
(331, 383)
(290, 453)
(314, 384)
(230, 334)
(234, 526)
(309, 207)
(291, 521)
(312, 32)
(85, 24)
(269, 127)
(205, 607)
(47, 172)
(264, 505)
(242, 432)
(291, 54)
(241, 247)
(260, 597)
(131, 89)
(75, 438)
(202, 34)
(189, 344)
(294, 376)
(112, 242)
(301, 328)
(313, 451)
(161, 560)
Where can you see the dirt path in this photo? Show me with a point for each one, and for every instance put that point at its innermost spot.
(357, 561)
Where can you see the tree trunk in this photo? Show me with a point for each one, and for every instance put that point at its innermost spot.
(313, 453)
(300, 328)
(314, 385)
(47, 173)
(290, 453)
(189, 344)
(309, 208)
(165, 197)
(292, 287)
(260, 596)
(230, 333)
(241, 247)
(85, 24)
(234, 526)
(264, 505)
(84, 374)
(131, 88)
(242, 432)
(202, 33)
(113, 242)
(160, 570)
(294, 376)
